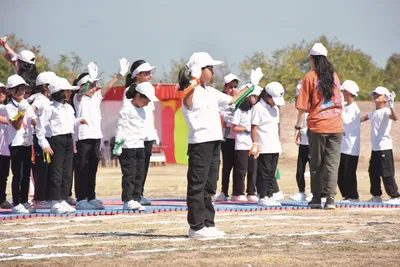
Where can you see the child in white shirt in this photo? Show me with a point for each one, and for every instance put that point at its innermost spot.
(200, 107)
(266, 144)
(350, 147)
(231, 82)
(4, 150)
(130, 143)
(241, 125)
(87, 105)
(21, 117)
(381, 163)
(59, 119)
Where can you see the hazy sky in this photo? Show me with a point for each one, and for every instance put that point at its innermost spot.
(158, 31)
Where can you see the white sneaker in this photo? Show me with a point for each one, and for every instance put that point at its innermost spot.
(67, 206)
(215, 232)
(20, 209)
(252, 198)
(96, 204)
(375, 199)
(144, 201)
(133, 205)
(58, 209)
(71, 201)
(84, 205)
(300, 196)
(395, 200)
(309, 197)
(278, 195)
(202, 233)
(348, 200)
(6, 205)
(29, 207)
(268, 201)
(42, 204)
(241, 198)
(221, 197)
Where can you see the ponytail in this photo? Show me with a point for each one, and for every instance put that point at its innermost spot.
(183, 79)
(129, 80)
(131, 93)
(325, 72)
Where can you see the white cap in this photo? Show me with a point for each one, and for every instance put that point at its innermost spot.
(148, 90)
(15, 80)
(144, 67)
(85, 79)
(257, 91)
(59, 84)
(26, 56)
(276, 90)
(2, 85)
(298, 87)
(350, 86)
(230, 77)
(45, 77)
(380, 90)
(203, 59)
(318, 49)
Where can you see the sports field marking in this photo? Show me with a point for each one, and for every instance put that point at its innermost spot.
(29, 256)
(319, 233)
(59, 245)
(46, 229)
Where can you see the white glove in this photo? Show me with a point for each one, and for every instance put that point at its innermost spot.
(93, 71)
(256, 76)
(390, 99)
(123, 66)
(23, 107)
(195, 71)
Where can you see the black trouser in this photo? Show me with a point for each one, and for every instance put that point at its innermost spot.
(202, 178)
(148, 147)
(60, 170)
(40, 172)
(4, 171)
(347, 176)
(266, 168)
(21, 168)
(251, 175)
(302, 158)
(228, 161)
(87, 163)
(132, 164)
(381, 164)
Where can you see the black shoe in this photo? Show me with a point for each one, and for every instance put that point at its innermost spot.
(315, 203)
(330, 204)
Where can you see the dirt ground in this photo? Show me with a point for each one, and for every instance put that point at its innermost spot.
(344, 237)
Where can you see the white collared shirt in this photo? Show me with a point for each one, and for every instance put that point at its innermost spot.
(58, 118)
(4, 150)
(130, 126)
(267, 120)
(22, 137)
(40, 103)
(150, 132)
(242, 140)
(227, 116)
(89, 109)
(381, 125)
(203, 117)
(351, 133)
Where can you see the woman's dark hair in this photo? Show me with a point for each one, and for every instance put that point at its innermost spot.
(39, 89)
(183, 78)
(325, 72)
(261, 95)
(7, 97)
(80, 76)
(246, 104)
(58, 96)
(131, 93)
(29, 73)
(129, 80)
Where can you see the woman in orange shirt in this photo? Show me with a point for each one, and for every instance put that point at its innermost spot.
(320, 97)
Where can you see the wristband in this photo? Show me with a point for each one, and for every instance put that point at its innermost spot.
(297, 127)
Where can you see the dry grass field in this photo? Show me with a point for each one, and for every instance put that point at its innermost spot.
(344, 237)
